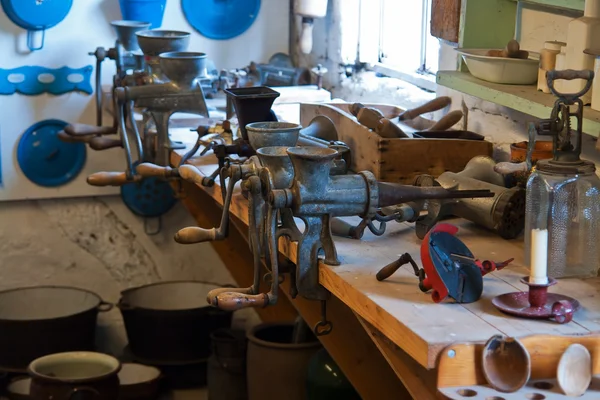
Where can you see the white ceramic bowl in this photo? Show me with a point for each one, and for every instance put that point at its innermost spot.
(510, 71)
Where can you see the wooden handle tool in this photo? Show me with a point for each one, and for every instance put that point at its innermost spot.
(100, 143)
(447, 121)
(232, 301)
(191, 174)
(506, 168)
(88, 130)
(387, 129)
(147, 170)
(430, 106)
(194, 234)
(111, 179)
(63, 137)
(369, 117)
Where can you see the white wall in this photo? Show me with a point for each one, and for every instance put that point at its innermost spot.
(85, 28)
(97, 243)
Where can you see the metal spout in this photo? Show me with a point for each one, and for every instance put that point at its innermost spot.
(391, 194)
(126, 33)
(278, 162)
(155, 42)
(269, 134)
(481, 168)
(183, 68)
(321, 127)
(312, 166)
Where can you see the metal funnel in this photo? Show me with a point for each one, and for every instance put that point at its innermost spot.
(252, 104)
(155, 42)
(126, 30)
(183, 68)
(267, 134)
(278, 162)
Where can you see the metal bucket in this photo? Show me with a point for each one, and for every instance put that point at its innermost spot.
(226, 374)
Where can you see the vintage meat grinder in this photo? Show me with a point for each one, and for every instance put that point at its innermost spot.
(301, 186)
(504, 213)
(182, 93)
(253, 104)
(152, 43)
(127, 57)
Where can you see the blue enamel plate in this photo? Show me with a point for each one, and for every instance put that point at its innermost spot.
(149, 198)
(45, 159)
(220, 19)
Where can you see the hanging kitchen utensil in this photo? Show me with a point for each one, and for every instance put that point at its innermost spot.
(36, 15)
(149, 198)
(45, 159)
(220, 19)
(34, 80)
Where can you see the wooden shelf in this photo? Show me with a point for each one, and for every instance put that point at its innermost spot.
(524, 98)
(576, 5)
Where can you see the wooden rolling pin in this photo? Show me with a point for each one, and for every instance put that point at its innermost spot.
(89, 130)
(388, 129)
(447, 121)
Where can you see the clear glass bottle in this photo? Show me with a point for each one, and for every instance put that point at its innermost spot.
(563, 194)
(567, 205)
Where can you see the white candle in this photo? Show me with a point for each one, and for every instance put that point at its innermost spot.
(539, 256)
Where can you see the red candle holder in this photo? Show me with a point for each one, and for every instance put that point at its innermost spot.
(537, 303)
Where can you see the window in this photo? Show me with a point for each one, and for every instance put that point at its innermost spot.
(393, 37)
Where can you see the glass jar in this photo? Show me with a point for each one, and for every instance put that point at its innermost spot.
(565, 201)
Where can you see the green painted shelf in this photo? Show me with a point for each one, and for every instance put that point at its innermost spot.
(524, 98)
(578, 5)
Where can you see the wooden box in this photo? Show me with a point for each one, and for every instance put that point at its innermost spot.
(396, 160)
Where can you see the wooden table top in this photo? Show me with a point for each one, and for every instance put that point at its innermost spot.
(399, 309)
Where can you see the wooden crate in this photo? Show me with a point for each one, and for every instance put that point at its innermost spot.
(396, 160)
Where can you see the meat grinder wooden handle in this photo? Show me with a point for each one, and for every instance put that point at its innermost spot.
(506, 168)
(447, 121)
(100, 143)
(430, 106)
(63, 137)
(110, 179)
(389, 270)
(231, 301)
(191, 174)
(88, 130)
(194, 234)
(148, 170)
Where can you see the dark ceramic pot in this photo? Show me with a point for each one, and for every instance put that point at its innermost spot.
(66, 316)
(77, 375)
(170, 322)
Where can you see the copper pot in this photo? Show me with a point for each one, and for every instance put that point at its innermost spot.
(84, 374)
(541, 151)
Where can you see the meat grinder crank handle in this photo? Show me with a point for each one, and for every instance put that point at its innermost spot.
(193, 234)
(570, 74)
(148, 170)
(64, 137)
(232, 301)
(100, 143)
(111, 179)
